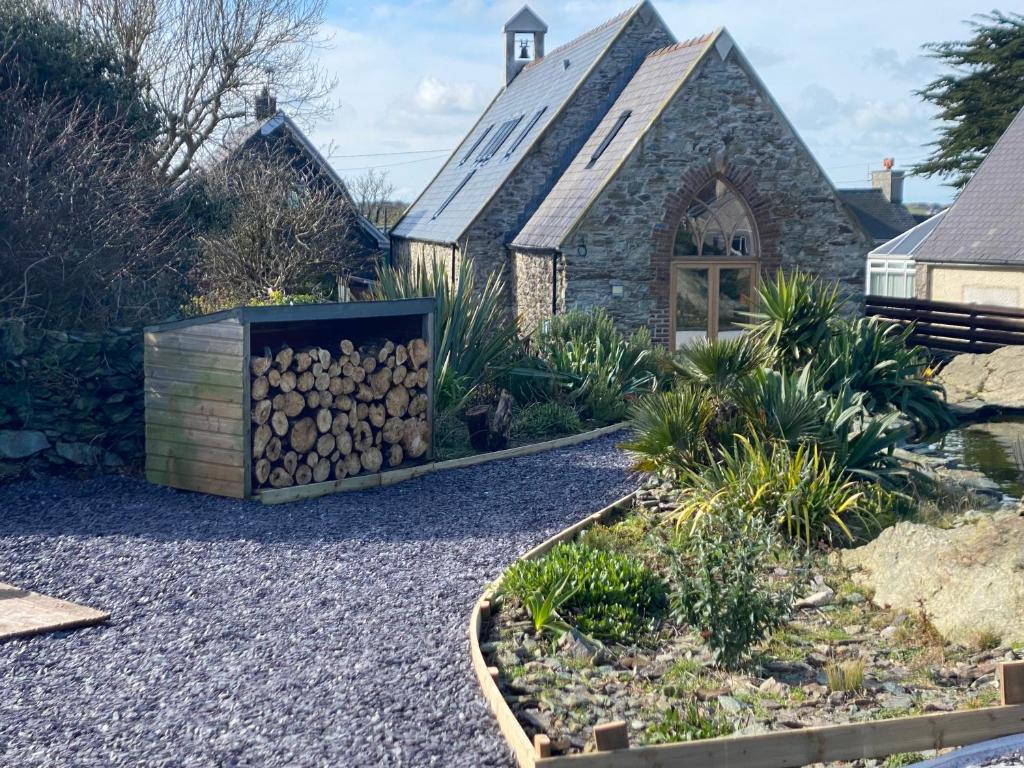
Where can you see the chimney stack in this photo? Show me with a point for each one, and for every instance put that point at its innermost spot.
(889, 181)
(266, 105)
(524, 42)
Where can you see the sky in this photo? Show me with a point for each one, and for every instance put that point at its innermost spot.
(413, 77)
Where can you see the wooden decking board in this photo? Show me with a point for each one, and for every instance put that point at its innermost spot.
(24, 613)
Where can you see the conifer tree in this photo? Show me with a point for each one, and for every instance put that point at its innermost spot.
(978, 98)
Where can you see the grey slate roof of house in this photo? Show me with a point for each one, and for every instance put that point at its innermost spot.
(662, 73)
(910, 241)
(462, 188)
(279, 124)
(986, 223)
(881, 218)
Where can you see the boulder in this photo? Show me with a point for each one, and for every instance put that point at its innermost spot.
(20, 444)
(80, 453)
(968, 579)
(985, 382)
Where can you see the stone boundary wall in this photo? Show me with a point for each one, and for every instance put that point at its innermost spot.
(70, 400)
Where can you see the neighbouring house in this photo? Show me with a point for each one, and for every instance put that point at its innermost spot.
(272, 129)
(629, 171)
(976, 253)
(891, 266)
(879, 208)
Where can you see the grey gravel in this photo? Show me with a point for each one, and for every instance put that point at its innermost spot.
(326, 632)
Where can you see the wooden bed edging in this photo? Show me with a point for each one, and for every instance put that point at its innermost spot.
(779, 749)
(361, 482)
(522, 747)
(790, 749)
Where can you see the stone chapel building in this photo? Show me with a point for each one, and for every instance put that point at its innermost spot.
(626, 170)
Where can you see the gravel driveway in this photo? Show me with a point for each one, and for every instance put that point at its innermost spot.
(326, 632)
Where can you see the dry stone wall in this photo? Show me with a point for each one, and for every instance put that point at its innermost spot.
(70, 400)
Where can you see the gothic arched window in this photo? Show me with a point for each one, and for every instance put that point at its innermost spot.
(715, 264)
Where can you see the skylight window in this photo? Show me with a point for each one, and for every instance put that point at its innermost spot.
(455, 191)
(476, 144)
(492, 147)
(525, 131)
(619, 122)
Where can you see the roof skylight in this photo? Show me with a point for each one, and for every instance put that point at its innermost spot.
(498, 139)
(525, 131)
(455, 191)
(619, 122)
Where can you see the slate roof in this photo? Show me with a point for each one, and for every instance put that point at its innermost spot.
(660, 76)
(881, 219)
(910, 241)
(438, 215)
(986, 223)
(280, 125)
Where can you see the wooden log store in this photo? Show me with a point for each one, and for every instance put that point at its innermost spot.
(255, 400)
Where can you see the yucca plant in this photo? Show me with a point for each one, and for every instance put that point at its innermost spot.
(801, 491)
(669, 430)
(474, 337)
(797, 316)
(598, 366)
(781, 406)
(874, 358)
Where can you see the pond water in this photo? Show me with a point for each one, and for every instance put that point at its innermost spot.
(995, 448)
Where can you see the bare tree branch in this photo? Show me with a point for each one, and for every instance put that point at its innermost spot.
(204, 60)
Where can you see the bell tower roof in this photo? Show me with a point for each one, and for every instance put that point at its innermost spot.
(525, 21)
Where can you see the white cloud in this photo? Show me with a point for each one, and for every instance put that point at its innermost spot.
(438, 97)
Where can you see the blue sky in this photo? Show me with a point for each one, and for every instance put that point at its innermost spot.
(414, 76)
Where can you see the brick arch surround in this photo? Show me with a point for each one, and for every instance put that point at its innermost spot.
(663, 235)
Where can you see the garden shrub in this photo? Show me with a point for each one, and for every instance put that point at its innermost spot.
(798, 313)
(545, 419)
(598, 366)
(799, 491)
(724, 581)
(612, 597)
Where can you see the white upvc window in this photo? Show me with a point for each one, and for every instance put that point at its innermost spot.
(890, 276)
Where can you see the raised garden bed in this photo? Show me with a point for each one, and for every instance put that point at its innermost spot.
(906, 690)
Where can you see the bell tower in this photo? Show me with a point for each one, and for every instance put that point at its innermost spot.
(524, 41)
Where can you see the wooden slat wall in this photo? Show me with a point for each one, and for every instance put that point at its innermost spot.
(947, 327)
(195, 428)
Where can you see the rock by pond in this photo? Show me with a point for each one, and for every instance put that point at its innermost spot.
(992, 382)
(968, 579)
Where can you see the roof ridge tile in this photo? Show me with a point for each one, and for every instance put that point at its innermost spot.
(693, 41)
(580, 38)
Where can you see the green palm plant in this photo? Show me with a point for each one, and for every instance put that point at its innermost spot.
(798, 315)
(670, 430)
(781, 406)
(474, 338)
(722, 366)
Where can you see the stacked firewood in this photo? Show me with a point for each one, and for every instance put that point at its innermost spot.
(320, 415)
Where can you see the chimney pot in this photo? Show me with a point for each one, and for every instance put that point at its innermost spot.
(265, 105)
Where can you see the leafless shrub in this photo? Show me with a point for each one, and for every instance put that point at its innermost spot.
(89, 236)
(283, 230)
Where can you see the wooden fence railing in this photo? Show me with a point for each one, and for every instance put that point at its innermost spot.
(948, 327)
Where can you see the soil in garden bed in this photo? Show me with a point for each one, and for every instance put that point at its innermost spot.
(669, 688)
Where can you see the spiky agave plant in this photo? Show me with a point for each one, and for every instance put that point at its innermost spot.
(474, 337)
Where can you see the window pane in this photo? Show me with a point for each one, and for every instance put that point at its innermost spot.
(734, 297)
(691, 303)
(716, 224)
(877, 284)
